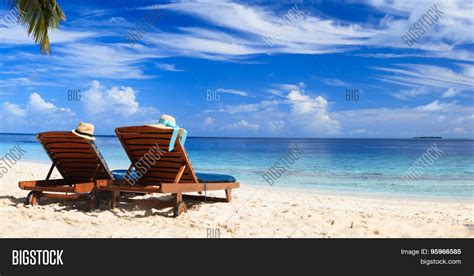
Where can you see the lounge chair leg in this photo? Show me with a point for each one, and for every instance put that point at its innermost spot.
(93, 201)
(178, 197)
(180, 208)
(113, 200)
(33, 198)
(228, 195)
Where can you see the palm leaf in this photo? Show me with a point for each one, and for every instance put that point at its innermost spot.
(38, 17)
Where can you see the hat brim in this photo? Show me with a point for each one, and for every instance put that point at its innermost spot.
(160, 126)
(83, 136)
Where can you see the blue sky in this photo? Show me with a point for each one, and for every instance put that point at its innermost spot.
(279, 70)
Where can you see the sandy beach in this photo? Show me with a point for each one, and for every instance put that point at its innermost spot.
(255, 212)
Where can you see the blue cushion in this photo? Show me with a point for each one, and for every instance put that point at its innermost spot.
(120, 174)
(214, 177)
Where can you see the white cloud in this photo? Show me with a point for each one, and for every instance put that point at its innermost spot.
(233, 91)
(312, 112)
(429, 79)
(452, 28)
(39, 104)
(195, 42)
(289, 87)
(452, 92)
(120, 101)
(107, 108)
(20, 81)
(123, 98)
(307, 115)
(254, 107)
(114, 61)
(13, 109)
(208, 121)
(275, 126)
(409, 94)
(14, 34)
(245, 125)
(459, 130)
(435, 106)
(115, 106)
(37, 113)
(336, 82)
(436, 118)
(244, 30)
(168, 67)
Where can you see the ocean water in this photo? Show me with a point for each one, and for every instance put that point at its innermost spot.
(365, 166)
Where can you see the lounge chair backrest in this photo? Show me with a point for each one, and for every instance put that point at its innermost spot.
(147, 149)
(76, 158)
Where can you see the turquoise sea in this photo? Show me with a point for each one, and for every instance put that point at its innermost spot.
(365, 166)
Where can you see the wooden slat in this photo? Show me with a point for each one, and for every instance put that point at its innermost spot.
(162, 175)
(189, 166)
(87, 174)
(168, 164)
(77, 188)
(196, 187)
(85, 170)
(144, 189)
(75, 161)
(59, 156)
(60, 189)
(164, 170)
(164, 153)
(58, 134)
(78, 165)
(84, 187)
(129, 136)
(156, 179)
(69, 150)
(152, 142)
(53, 146)
(143, 129)
(64, 196)
(36, 183)
(144, 147)
(65, 140)
(152, 158)
(206, 198)
(179, 174)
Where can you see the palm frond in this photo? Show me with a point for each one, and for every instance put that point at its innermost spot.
(38, 17)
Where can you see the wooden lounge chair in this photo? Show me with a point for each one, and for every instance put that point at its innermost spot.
(170, 172)
(78, 161)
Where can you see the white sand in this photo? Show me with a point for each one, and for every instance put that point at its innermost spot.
(254, 212)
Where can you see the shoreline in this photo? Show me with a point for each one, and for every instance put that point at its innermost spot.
(254, 212)
(327, 192)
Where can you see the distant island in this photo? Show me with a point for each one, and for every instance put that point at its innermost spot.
(428, 137)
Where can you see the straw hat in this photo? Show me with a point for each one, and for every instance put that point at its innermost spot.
(85, 130)
(166, 122)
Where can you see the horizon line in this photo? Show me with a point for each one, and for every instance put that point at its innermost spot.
(236, 137)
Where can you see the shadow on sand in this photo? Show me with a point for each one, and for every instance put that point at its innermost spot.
(122, 208)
